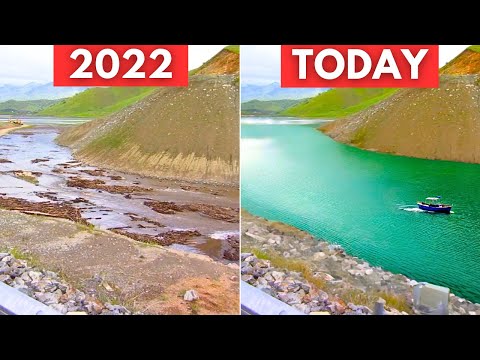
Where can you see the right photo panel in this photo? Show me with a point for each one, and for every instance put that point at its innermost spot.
(360, 200)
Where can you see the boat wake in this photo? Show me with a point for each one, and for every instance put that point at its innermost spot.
(415, 209)
(412, 209)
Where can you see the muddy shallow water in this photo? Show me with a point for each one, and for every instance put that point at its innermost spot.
(33, 151)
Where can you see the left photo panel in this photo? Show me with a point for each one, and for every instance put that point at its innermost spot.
(119, 200)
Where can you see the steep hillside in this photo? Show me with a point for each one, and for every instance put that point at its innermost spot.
(189, 133)
(96, 102)
(441, 123)
(25, 107)
(468, 62)
(227, 61)
(269, 107)
(338, 102)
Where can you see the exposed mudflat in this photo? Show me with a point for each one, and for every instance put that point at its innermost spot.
(145, 278)
(38, 176)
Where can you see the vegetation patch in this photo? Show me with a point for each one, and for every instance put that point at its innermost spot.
(336, 103)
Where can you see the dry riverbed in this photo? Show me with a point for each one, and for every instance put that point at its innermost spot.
(102, 224)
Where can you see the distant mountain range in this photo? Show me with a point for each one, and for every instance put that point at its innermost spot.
(36, 91)
(273, 91)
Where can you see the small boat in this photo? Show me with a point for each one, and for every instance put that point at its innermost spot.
(432, 204)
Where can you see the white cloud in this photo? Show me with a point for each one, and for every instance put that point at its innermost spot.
(448, 52)
(198, 54)
(21, 64)
(260, 64)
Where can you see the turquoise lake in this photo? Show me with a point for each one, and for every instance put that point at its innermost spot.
(365, 201)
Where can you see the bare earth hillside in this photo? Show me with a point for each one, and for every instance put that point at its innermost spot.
(180, 132)
(441, 123)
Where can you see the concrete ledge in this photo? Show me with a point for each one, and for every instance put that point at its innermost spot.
(256, 302)
(14, 302)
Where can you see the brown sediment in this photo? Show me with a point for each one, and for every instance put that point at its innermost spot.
(165, 239)
(145, 219)
(36, 161)
(58, 210)
(232, 252)
(202, 189)
(95, 172)
(5, 161)
(164, 207)
(223, 213)
(53, 196)
(100, 185)
(47, 195)
(116, 177)
(215, 212)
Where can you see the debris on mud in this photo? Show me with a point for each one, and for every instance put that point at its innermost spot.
(96, 172)
(36, 161)
(101, 185)
(227, 214)
(203, 189)
(232, 249)
(58, 210)
(165, 239)
(116, 177)
(215, 212)
(144, 219)
(29, 176)
(164, 207)
(53, 196)
(47, 195)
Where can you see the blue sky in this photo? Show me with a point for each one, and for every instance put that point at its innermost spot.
(260, 64)
(21, 64)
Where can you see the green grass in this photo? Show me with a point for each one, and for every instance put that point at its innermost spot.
(97, 102)
(194, 307)
(19, 254)
(338, 102)
(233, 48)
(475, 48)
(289, 264)
(27, 107)
(268, 107)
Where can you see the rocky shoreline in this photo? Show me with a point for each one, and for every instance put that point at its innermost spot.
(48, 288)
(317, 277)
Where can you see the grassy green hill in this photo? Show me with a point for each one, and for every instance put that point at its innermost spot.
(97, 102)
(338, 102)
(268, 107)
(25, 107)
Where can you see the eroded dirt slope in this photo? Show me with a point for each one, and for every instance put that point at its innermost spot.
(441, 123)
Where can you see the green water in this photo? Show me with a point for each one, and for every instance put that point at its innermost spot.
(365, 201)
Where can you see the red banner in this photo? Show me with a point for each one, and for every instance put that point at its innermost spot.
(120, 65)
(351, 66)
